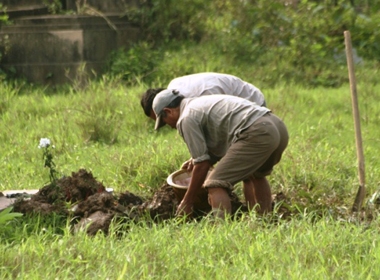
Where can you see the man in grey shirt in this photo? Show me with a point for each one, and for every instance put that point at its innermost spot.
(206, 83)
(245, 139)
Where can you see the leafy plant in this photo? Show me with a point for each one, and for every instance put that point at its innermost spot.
(3, 14)
(54, 6)
(138, 62)
(7, 215)
(48, 158)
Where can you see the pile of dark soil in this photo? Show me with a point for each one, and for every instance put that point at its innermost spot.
(92, 208)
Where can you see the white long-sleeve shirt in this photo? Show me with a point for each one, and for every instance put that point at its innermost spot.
(209, 83)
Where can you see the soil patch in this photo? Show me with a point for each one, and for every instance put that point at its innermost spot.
(92, 208)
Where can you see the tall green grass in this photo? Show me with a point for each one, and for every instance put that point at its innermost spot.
(246, 249)
(102, 128)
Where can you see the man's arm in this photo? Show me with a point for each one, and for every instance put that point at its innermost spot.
(198, 177)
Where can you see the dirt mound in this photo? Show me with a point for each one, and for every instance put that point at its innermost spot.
(53, 197)
(163, 204)
(84, 199)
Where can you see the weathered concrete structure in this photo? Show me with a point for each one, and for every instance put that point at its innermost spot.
(49, 49)
(104, 6)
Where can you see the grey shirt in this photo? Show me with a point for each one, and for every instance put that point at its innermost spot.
(210, 124)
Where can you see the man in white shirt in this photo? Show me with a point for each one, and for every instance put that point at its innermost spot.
(207, 83)
(245, 139)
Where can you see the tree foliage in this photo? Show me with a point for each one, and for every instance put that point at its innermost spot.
(302, 39)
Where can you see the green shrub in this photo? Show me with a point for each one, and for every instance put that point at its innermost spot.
(139, 62)
(300, 42)
(167, 20)
(7, 215)
(366, 36)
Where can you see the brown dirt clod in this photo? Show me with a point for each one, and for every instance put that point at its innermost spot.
(92, 208)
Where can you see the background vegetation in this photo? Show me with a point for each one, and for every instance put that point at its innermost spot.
(292, 41)
(100, 126)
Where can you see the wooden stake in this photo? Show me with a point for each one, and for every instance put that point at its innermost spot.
(355, 110)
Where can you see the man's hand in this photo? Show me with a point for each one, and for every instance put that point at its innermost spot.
(197, 179)
(188, 165)
(184, 208)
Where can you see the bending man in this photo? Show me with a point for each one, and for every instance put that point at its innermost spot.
(207, 83)
(245, 139)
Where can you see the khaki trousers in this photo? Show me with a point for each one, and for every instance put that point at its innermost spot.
(256, 151)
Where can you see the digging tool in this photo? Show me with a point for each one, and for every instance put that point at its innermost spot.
(355, 110)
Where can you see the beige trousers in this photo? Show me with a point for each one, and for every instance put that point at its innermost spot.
(256, 151)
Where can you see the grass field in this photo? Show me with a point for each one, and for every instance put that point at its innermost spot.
(102, 129)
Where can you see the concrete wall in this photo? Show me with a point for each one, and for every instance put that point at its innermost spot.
(49, 49)
(16, 8)
(17, 3)
(104, 6)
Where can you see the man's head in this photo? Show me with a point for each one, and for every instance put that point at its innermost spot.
(147, 101)
(166, 107)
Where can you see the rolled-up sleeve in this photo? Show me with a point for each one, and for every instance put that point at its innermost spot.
(191, 131)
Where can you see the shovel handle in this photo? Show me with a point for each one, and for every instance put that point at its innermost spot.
(355, 110)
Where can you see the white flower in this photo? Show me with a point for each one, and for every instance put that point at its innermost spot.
(44, 143)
